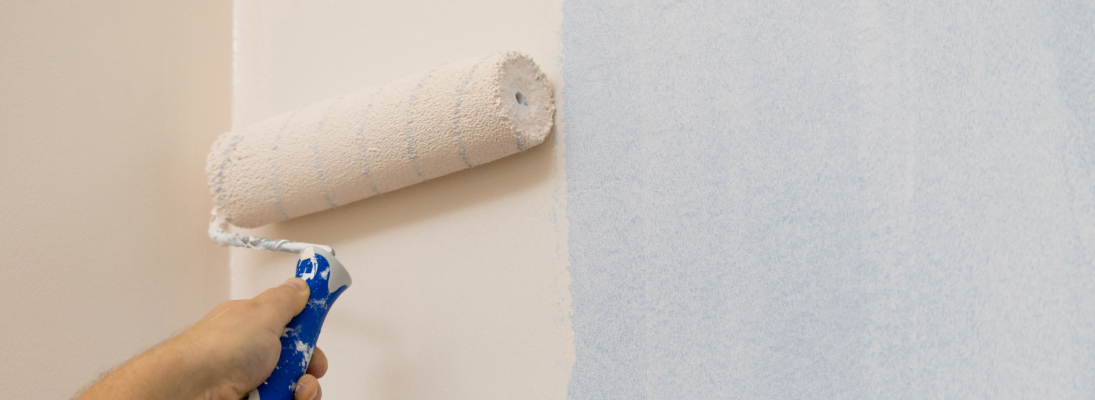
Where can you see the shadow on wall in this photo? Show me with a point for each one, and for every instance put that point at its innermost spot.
(423, 201)
(389, 360)
(397, 372)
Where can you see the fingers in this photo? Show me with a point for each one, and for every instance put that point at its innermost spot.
(277, 305)
(308, 385)
(318, 366)
(308, 389)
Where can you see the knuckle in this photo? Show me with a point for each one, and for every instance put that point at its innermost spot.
(278, 294)
(278, 297)
(252, 305)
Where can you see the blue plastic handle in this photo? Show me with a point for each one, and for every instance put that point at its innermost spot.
(327, 279)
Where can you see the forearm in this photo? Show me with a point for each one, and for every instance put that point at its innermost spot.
(223, 356)
(168, 371)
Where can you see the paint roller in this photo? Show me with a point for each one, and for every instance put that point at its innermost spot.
(363, 144)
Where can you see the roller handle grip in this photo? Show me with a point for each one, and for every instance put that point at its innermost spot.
(327, 279)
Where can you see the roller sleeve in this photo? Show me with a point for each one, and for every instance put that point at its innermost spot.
(380, 139)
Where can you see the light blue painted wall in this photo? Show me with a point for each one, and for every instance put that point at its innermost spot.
(831, 199)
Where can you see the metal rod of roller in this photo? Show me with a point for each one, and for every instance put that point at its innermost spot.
(220, 235)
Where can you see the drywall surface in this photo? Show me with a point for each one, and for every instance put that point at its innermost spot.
(861, 199)
(460, 283)
(107, 110)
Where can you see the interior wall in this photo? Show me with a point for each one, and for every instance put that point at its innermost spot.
(107, 110)
(868, 199)
(460, 283)
(761, 199)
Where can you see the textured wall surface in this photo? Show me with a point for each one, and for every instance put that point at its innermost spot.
(831, 200)
(107, 110)
(460, 283)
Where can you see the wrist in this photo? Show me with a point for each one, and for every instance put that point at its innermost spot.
(188, 374)
(197, 362)
(175, 371)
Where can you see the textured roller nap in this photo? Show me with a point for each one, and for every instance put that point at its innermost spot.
(380, 139)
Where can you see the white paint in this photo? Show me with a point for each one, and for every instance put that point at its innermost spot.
(339, 277)
(301, 347)
(308, 254)
(107, 110)
(461, 283)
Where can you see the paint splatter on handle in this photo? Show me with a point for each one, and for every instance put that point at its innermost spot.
(327, 279)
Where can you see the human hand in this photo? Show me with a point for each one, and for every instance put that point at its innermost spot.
(241, 341)
(224, 356)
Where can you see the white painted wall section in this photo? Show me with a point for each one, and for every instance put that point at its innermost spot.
(460, 283)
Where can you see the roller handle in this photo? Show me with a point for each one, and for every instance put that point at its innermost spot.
(327, 279)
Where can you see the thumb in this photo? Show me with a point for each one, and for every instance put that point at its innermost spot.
(279, 304)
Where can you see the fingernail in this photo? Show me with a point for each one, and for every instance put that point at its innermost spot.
(296, 284)
(301, 387)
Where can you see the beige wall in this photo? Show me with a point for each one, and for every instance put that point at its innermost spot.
(460, 283)
(107, 109)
